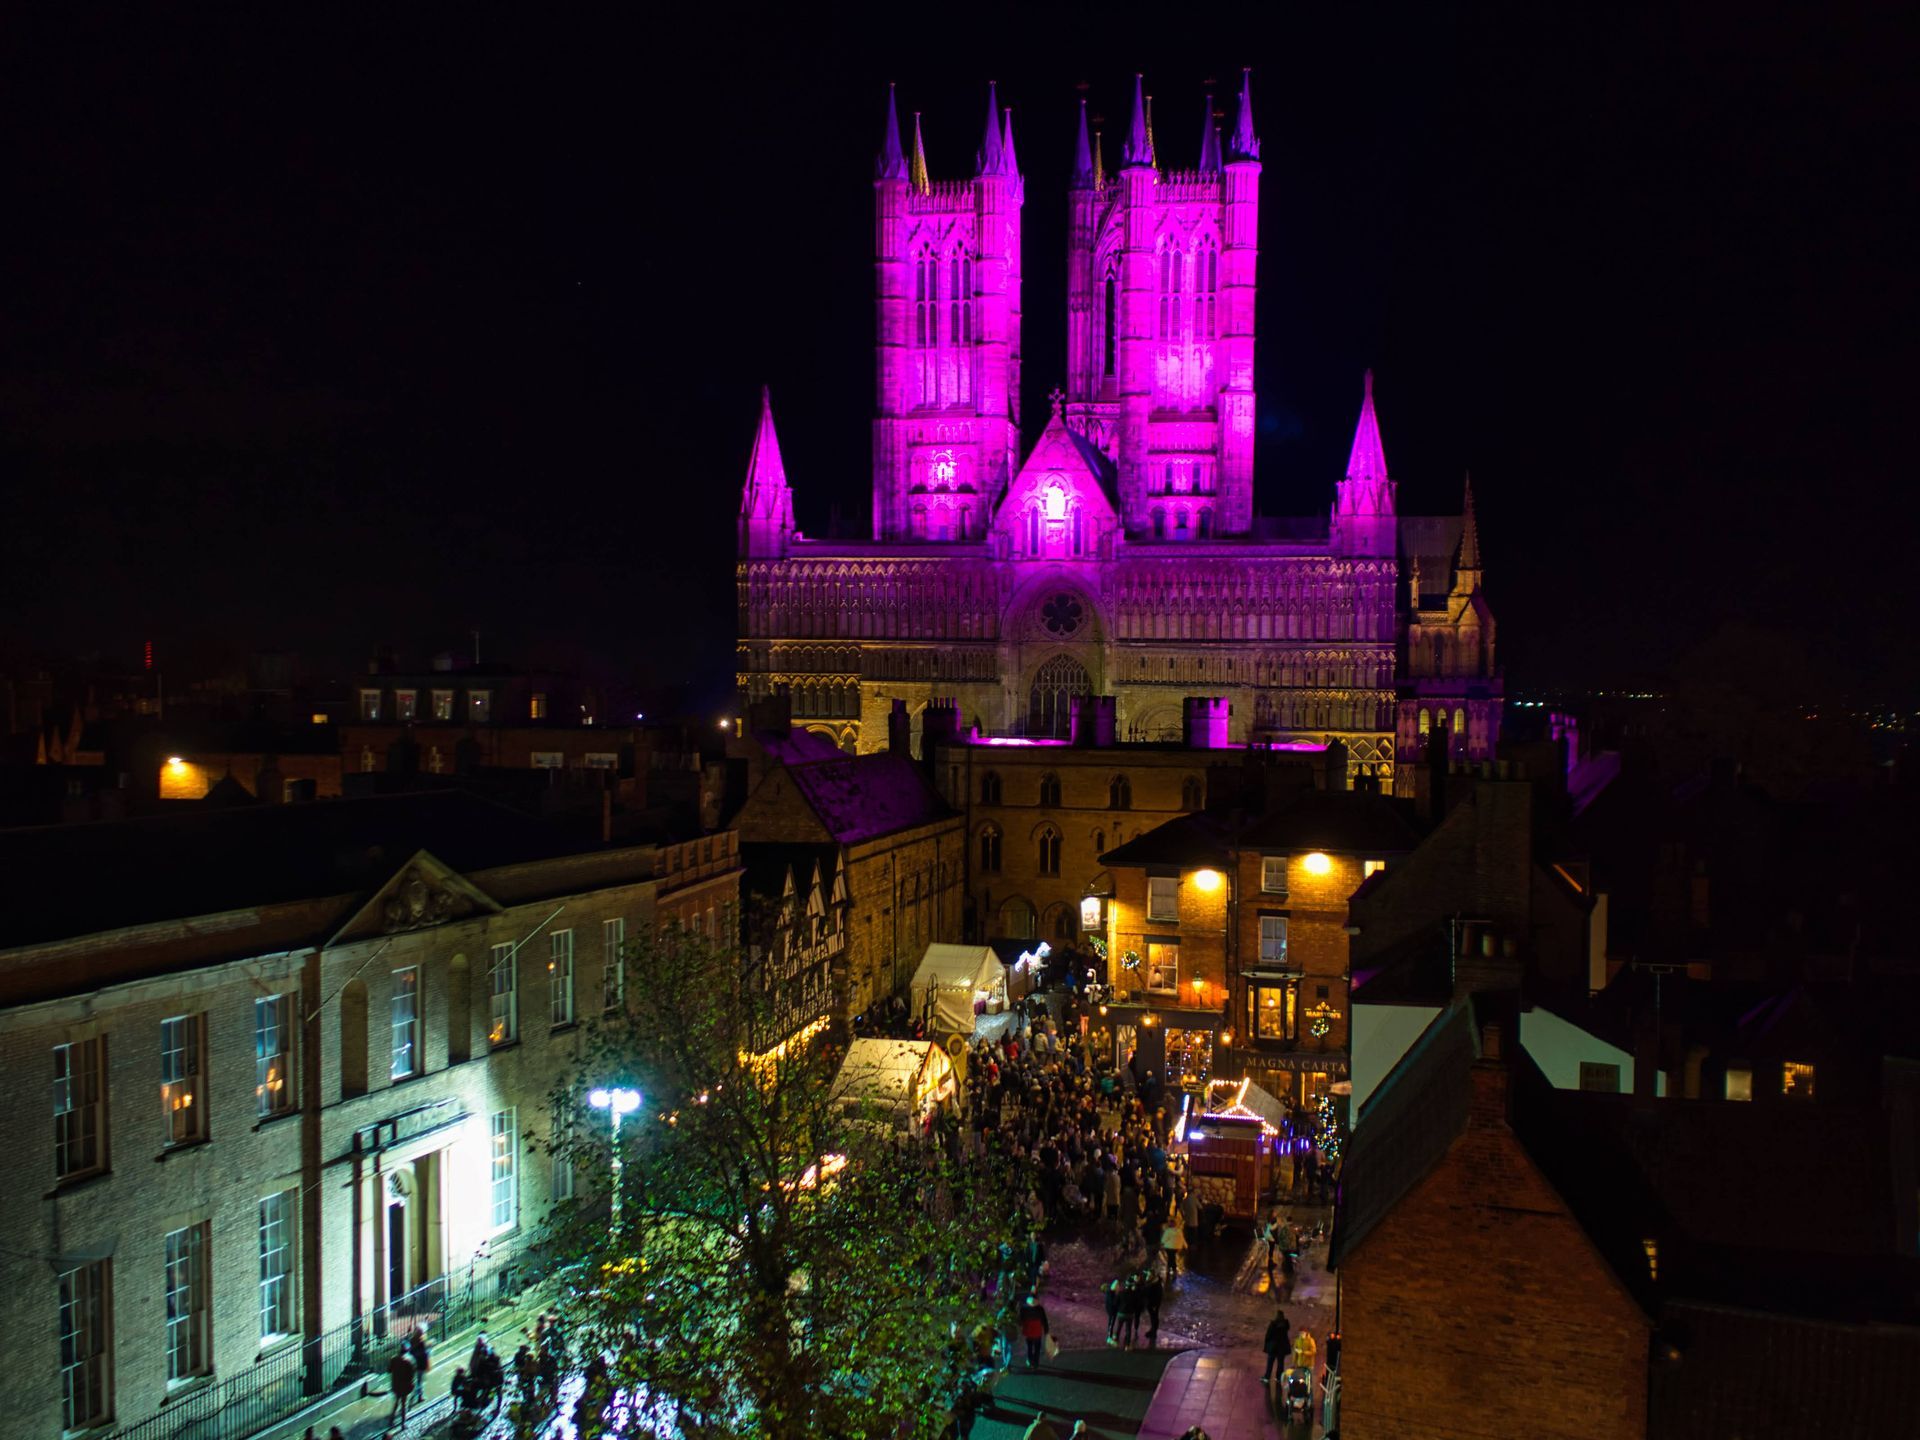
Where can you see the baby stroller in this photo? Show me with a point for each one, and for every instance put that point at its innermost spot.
(1296, 1392)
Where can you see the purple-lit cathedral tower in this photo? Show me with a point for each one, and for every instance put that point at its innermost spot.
(1121, 555)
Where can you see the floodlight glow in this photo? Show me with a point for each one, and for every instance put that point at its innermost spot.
(1317, 863)
(1206, 880)
(620, 1102)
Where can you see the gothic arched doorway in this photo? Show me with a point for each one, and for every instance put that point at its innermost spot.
(1050, 701)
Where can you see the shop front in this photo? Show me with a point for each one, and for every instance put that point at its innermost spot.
(1182, 1045)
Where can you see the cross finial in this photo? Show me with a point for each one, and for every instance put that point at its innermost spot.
(1059, 398)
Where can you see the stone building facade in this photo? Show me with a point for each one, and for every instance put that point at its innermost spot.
(1122, 555)
(302, 1057)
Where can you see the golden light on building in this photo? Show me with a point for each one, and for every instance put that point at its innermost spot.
(1318, 863)
(1209, 880)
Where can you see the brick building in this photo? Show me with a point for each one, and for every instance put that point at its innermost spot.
(898, 850)
(1517, 1258)
(300, 1056)
(1230, 934)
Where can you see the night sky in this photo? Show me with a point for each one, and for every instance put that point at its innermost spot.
(322, 336)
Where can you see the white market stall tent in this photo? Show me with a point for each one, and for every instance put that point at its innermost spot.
(949, 980)
(901, 1079)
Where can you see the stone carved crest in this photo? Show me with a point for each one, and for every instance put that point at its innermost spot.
(415, 904)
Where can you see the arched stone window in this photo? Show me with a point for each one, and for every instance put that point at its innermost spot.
(1192, 793)
(1058, 921)
(990, 849)
(1049, 847)
(1050, 789)
(1426, 720)
(1050, 701)
(990, 788)
(1016, 919)
(1099, 842)
(1120, 793)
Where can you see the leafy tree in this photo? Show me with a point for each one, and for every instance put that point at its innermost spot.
(787, 1261)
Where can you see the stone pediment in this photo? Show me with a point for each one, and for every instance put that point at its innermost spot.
(422, 894)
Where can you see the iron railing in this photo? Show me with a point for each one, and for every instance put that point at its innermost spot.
(289, 1379)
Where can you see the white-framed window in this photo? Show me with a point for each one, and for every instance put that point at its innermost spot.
(369, 704)
(548, 760)
(273, 1054)
(1163, 966)
(560, 975)
(86, 1300)
(406, 704)
(183, 1109)
(504, 1168)
(480, 706)
(277, 1219)
(1163, 897)
(406, 1023)
(503, 986)
(189, 1313)
(443, 704)
(1273, 875)
(79, 1108)
(600, 760)
(1368, 867)
(1273, 940)
(613, 976)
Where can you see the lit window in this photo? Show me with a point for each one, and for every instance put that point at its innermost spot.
(188, 1313)
(85, 1323)
(537, 708)
(1601, 1079)
(319, 718)
(1368, 867)
(182, 1059)
(480, 706)
(503, 1167)
(1273, 940)
(1163, 897)
(369, 704)
(406, 1022)
(443, 704)
(79, 1090)
(1796, 1080)
(406, 704)
(1273, 875)
(273, 1054)
(560, 975)
(1163, 966)
(276, 1265)
(1739, 1083)
(613, 975)
(503, 983)
(1651, 1248)
(1273, 1009)
(548, 759)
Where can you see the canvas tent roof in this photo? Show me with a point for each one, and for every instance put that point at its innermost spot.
(946, 980)
(887, 1072)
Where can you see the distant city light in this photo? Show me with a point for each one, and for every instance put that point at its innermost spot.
(725, 724)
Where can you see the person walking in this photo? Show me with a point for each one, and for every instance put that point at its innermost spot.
(1190, 1214)
(1033, 1329)
(1279, 1344)
(1112, 1296)
(417, 1348)
(1132, 1301)
(1173, 1239)
(400, 1371)
(1152, 1293)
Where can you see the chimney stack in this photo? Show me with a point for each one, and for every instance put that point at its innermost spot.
(1487, 1110)
(899, 730)
(1092, 721)
(1206, 722)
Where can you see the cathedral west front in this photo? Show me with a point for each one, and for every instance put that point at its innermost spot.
(1120, 555)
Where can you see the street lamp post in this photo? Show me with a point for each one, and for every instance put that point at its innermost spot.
(616, 1102)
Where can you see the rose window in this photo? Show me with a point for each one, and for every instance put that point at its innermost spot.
(1061, 614)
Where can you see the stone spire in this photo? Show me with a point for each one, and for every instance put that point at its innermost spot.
(1368, 460)
(917, 170)
(1009, 163)
(1466, 570)
(1139, 147)
(1099, 160)
(766, 502)
(1153, 155)
(989, 161)
(1365, 520)
(892, 164)
(1246, 145)
(1209, 143)
(1082, 153)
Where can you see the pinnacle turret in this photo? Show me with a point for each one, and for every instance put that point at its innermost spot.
(1153, 155)
(917, 169)
(766, 501)
(892, 164)
(1469, 538)
(1364, 512)
(1209, 142)
(1368, 460)
(1009, 164)
(1082, 152)
(1139, 147)
(988, 161)
(1246, 145)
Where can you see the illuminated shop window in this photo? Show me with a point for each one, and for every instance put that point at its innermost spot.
(1739, 1084)
(1796, 1080)
(406, 704)
(1163, 966)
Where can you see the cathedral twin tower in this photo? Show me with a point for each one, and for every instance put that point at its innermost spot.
(1122, 554)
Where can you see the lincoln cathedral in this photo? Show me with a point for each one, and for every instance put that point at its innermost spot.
(1121, 554)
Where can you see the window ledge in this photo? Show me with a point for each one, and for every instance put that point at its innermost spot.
(74, 1184)
(563, 1026)
(508, 1044)
(180, 1389)
(274, 1345)
(265, 1120)
(167, 1152)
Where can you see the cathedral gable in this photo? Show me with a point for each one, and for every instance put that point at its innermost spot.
(1059, 506)
(424, 893)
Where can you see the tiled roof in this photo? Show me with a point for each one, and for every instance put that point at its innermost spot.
(862, 797)
(1185, 840)
(1347, 821)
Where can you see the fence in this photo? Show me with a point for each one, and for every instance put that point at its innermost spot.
(284, 1382)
